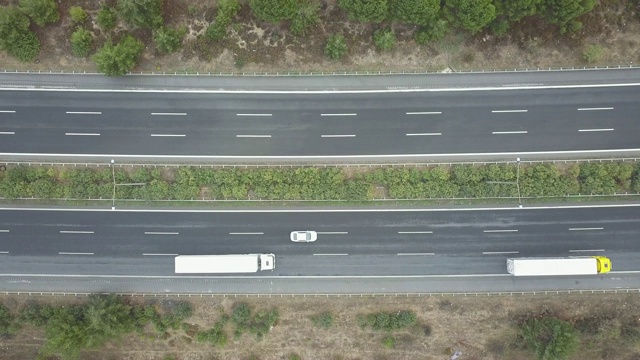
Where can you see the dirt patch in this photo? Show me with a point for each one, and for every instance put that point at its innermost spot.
(256, 46)
(479, 327)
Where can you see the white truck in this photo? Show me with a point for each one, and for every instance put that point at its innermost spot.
(550, 266)
(224, 264)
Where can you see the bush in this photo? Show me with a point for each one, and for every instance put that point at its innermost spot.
(384, 39)
(215, 335)
(8, 324)
(550, 338)
(374, 11)
(81, 42)
(263, 321)
(515, 10)
(227, 10)
(168, 40)
(305, 16)
(562, 12)
(119, 59)
(419, 12)
(471, 15)
(388, 321)
(26, 47)
(500, 28)
(388, 342)
(42, 12)
(324, 320)
(593, 53)
(435, 31)
(241, 314)
(274, 11)
(15, 36)
(36, 314)
(336, 47)
(106, 19)
(77, 14)
(141, 13)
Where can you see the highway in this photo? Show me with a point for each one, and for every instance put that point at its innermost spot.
(59, 124)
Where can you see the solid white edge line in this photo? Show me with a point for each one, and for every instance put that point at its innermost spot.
(160, 233)
(330, 254)
(499, 252)
(169, 114)
(586, 229)
(593, 130)
(510, 208)
(168, 135)
(509, 132)
(253, 114)
(499, 231)
(246, 233)
(348, 114)
(337, 136)
(424, 134)
(595, 109)
(253, 136)
(331, 232)
(7, 132)
(74, 253)
(85, 112)
(82, 134)
(425, 113)
(415, 232)
(415, 254)
(587, 250)
(75, 232)
(509, 111)
(151, 254)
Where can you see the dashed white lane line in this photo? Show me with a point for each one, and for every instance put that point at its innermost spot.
(500, 231)
(425, 134)
(8, 111)
(4, 252)
(330, 254)
(586, 229)
(150, 254)
(509, 111)
(508, 132)
(4, 231)
(246, 233)
(346, 114)
(425, 113)
(415, 232)
(160, 233)
(253, 114)
(416, 254)
(332, 232)
(594, 130)
(587, 250)
(74, 253)
(168, 135)
(7, 133)
(337, 136)
(82, 134)
(169, 114)
(499, 252)
(595, 109)
(75, 232)
(84, 112)
(253, 136)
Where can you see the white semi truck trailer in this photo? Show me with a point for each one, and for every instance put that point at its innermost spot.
(224, 264)
(549, 266)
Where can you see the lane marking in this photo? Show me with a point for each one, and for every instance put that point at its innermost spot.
(4, 231)
(253, 136)
(499, 252)
(75, 232)
(347, 114)
(82, 134)
(332, 232)
(337, 136)
(253, 114)
(74, 253)
(587, 250)
(149, 254)
(508, 132)
(415, 232)
(509, 111)
(330, 254)
(8, 111)
(425, 134)
(586, 229)
(7, 133)
(499, 231)
(84, 112)
(246, 233)
(595, 109)
(425, 113)
(4, 252)
(168, 135)
(169, 114)
(160, 233)
(591, 130)
(416, 254)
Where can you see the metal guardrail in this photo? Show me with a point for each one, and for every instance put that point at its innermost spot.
(333, 73)
(394, 295)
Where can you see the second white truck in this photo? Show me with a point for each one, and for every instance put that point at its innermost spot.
(224, 264)
(549, 266)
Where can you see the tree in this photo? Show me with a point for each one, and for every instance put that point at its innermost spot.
(106, 19)
(273, 10)
(366, 10)
(562, 12)
(15, 36)
(141, 13)
(550, 338)
(515, 10)
(119, 59)
(385, 39)
(42, 12)
(472, 15)
(305, 16)
(227, 10)
(420, 12)
(168, 40)
(78, 15)
(81, 42)
(336, 47)
(435, 31)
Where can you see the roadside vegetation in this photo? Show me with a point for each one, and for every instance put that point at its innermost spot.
(300, 32)
(536, 181)
(104, 326)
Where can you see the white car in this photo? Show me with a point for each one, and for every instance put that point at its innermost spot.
(304, 236)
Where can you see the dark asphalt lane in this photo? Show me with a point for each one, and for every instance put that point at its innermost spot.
(296, 124)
